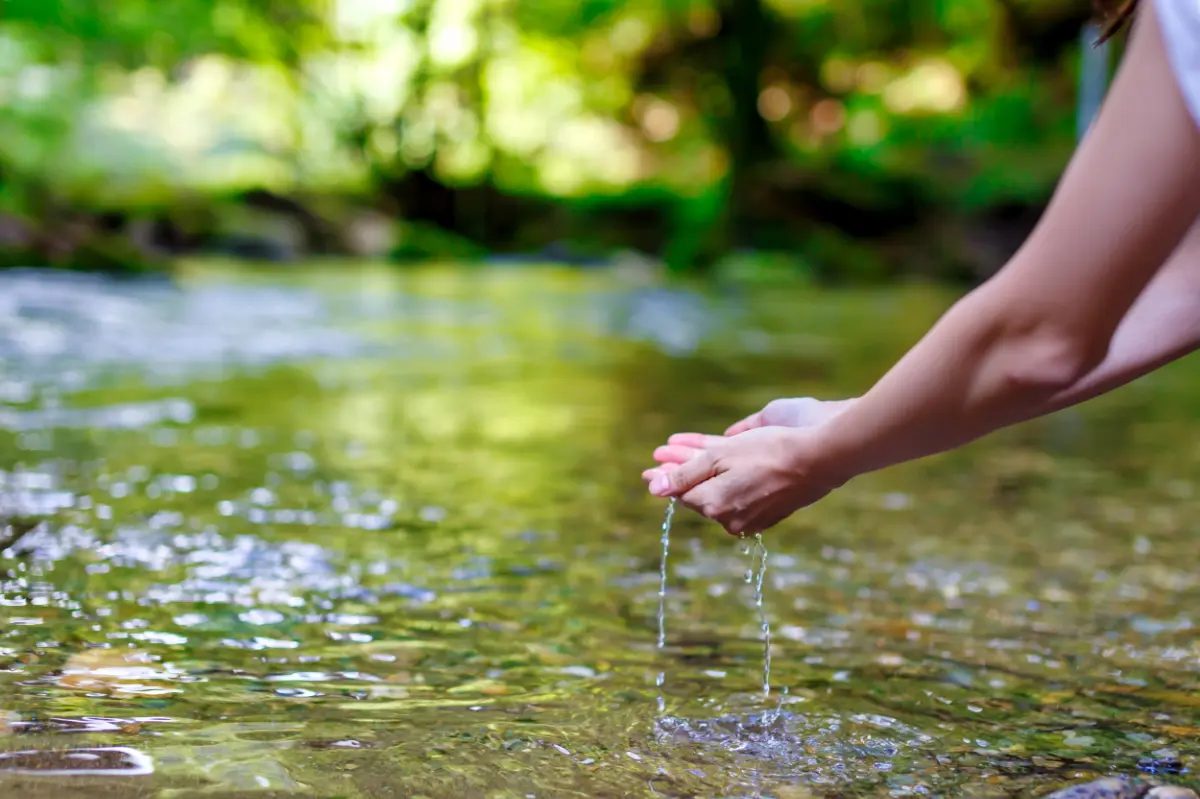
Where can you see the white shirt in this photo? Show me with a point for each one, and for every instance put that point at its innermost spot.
(1180, 24)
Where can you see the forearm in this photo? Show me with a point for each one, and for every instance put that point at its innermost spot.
(1030, 339)
(1162, 326)
(966, 378)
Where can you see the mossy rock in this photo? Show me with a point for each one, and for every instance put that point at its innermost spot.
(18, 257)
(103, 253)
(422, 242)
(14, 528)
(763, 269)
(112, 254)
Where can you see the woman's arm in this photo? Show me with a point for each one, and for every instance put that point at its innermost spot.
(1026, 341)
(1162, 326)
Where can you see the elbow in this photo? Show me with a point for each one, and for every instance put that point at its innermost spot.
(1026, 347)
(1045, 362)
(1036, 348)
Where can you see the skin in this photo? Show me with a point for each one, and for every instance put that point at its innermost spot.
(1102, 292)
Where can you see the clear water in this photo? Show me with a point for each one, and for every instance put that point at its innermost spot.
(368, 533)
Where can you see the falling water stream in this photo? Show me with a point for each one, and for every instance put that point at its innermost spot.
(754, 576)
(761, 549)
(662, 595)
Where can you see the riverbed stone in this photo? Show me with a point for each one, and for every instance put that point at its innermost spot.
(1107, 788)
(1171, 792)
(1122, 788)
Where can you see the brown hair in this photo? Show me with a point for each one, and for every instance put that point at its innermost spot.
(1113, 16)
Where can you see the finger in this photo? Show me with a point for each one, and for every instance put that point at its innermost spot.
(675, 454)
(721, 499)
(744, 525)
(694, 440)
(655, 471)
(699, 499)
(749, 423)
(686, 476)
(709, 498)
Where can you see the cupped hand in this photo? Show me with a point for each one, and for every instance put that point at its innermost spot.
(797, 412)
(792, 412)
(751, 481)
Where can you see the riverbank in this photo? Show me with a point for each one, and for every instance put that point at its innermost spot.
(262, 227)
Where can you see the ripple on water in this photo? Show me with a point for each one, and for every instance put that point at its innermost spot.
(114, 761)
(819, 748)
(82, 724)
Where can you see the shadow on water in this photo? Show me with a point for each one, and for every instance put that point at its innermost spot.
(363, 533)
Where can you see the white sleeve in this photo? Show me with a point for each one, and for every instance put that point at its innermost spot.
(1179, 21)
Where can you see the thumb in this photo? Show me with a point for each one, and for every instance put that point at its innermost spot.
(749, 423)
(685, 477)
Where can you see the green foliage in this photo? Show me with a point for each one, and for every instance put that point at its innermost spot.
(956, 106)
(137, 33)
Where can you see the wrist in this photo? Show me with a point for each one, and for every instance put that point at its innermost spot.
(841, 406)
(835, 456)
(815, 460)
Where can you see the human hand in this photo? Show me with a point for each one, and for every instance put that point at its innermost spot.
(751, 481)
(792, 412)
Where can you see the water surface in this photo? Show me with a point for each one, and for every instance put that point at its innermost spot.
(368, 533)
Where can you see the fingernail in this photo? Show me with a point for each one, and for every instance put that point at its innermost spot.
(659, 486)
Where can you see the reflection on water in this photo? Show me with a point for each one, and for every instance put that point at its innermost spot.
(375, 533)
(112, 761)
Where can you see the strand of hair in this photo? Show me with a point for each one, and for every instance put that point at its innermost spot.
(1116, 21)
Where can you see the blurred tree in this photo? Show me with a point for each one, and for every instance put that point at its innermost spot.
(850, 134)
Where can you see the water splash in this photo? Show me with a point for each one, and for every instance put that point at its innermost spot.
(662, 594)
